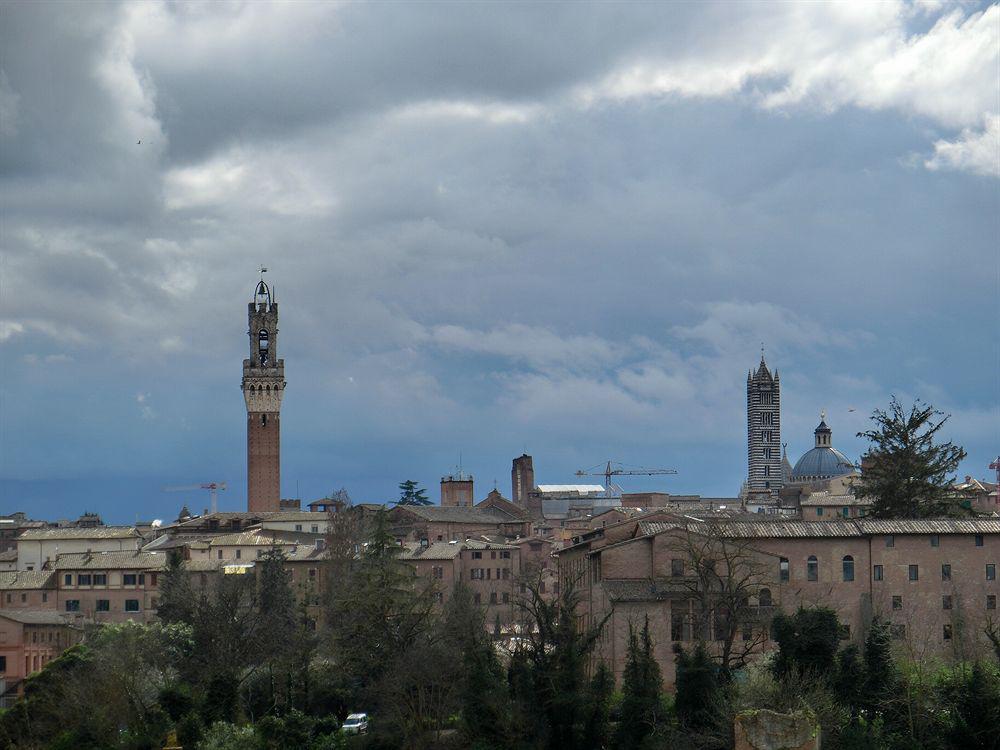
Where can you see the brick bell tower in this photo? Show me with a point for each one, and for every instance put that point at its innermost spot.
(263, 386)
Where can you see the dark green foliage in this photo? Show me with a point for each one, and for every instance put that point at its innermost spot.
(975, 695)
(807, 641)
(177, 599)
(699, 697)
(848, 678)
(905, 473)
(410, 493)
(881, 678)
(597, 728)
(641, 689)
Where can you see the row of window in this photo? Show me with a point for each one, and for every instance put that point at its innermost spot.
(878, 571)
(485, 574)
(947, 602)
(845, 512)
(494, 599)
(24, 597)
(935, 540)
(504, 554)
(103, 605)
(101, 579)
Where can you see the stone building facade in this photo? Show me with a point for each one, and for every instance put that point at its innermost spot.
(934, 581)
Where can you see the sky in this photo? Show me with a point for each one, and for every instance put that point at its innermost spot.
(561, 229)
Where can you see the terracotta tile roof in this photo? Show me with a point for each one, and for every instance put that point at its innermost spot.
(12, 580)
(111, 561)
(91, 532)
(453, 514)
(38, 616)
(435, 551)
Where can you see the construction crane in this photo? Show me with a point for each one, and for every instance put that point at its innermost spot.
(614, 469)
(213, 489)
(996, 467)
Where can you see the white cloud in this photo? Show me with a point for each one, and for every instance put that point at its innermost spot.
(974, 151)
(9, 329)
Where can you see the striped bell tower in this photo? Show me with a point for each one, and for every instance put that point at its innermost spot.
(764, 474)
(263, 386)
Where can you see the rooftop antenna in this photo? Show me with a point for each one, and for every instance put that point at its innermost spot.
(263, 270)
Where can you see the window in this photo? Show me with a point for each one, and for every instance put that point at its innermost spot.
(946, 633)
(935, 540)
(848, 565)
(103, 605)
(477, 555)
(24, 598)
(991, 601)
(45, 597)
(68, 579)
(946, 601)
(676, 568)
(783, 568)
(315, 529)
(897, 602)
(767, 471)
(764, 597)
(493, 555)
(991, 572)
(678, 632)
(3, 664)
(72, 605)
(298, 527)
(100, 579)
(505, 554)
(238, 553)
(846, 512)
(8, 598)
(890, 541)
(979, 540)
(83, 579)
(128, 579)
(914, 571)
(767, 418)
(812, 568)
(506, 598)
(819, 511)
(131, 605)
(476, 574)
(506, 571)
(877, 572)
(767, 453)
(438, 572)
(312, 574)
(220, 554)
(493, 597)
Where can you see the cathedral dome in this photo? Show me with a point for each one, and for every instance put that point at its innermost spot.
(823, 461)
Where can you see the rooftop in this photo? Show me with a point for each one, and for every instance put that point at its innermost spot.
(453, 514)
(26, 579)
(111, 561)
(93, 532)
(37, 616)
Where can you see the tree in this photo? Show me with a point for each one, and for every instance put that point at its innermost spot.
(548, 670)
(904, 472)
(641, 688)
(807, 641)
(410, 493)
(722, 577)
(596, 728)
(177, 600)
(881, 678)
(699, 696)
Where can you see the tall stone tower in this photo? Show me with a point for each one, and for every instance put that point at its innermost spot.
(263, 386)
(764, 474)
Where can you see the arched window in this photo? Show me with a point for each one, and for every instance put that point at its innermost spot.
(783, 568)
(263, 345)
(764, 597)
(848, 568)
(812, 568)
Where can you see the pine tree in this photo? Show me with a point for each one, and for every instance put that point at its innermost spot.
(410, 493)
(177, 600)
(904, 472)
(596, 729)
(698, 698)
(642, 685)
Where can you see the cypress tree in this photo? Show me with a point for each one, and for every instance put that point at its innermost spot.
(698, 694)
(642, 685)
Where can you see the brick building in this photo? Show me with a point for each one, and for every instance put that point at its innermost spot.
(39, 547)
(30, 639)
(431, 523)
(933, 580)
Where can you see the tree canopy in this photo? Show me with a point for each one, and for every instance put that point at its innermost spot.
(905, 472)
(411, 493)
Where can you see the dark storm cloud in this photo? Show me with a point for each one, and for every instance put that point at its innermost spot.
(490, 227)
